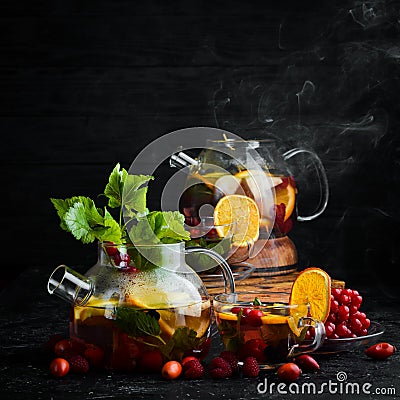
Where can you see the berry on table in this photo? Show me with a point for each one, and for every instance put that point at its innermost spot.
(193, 369)
(59, 367)
(232, 360)
(171, 370)
(250, 367)
(289, 372)
(219, 368)
(78, 364)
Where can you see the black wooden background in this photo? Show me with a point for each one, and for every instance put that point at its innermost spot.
(85, 84)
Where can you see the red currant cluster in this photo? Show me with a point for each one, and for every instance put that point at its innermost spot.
(345, 319)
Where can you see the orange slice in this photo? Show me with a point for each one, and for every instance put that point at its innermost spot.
(313, 287)
(242, 211)
(287, 196)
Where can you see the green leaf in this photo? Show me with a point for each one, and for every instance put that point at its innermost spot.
(134, 197)
(113, 232)
(78, 223)
(62, 207)
(114, 188)
(183, 340)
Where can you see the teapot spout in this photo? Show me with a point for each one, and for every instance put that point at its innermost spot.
(70, 285)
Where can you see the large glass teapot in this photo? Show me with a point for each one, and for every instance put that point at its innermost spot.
(259, 169)
(127, 305)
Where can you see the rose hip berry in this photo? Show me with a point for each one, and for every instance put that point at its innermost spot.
(171, 370)
(307, 363)
(380, 351)
(289, 372)
(59, 367)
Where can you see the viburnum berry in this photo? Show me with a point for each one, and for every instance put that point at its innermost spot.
(235, 310)
(254, 317)
(336, 292)
(334, 306)
(343, 313)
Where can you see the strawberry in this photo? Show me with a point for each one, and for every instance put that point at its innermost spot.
(250, 367)
(253, 348)
(94, 354)
(219, 368)
(78, 364)
(151, 361)
(193, 369)
(232, 360)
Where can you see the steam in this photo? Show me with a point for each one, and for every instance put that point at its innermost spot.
(339, 95)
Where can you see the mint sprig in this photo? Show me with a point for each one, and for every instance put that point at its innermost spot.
(80, 216)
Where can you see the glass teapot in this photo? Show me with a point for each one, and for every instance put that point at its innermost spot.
(254, 168)
(127, 306)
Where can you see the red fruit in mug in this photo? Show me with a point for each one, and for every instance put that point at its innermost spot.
(254, 317)
(289, 372)
(380, 351)
(253, 348)
(306, 363)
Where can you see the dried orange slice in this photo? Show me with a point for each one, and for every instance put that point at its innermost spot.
(312, 287)
(287, 196)
(242, 211)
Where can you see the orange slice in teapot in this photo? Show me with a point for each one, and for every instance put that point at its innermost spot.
(243, 212)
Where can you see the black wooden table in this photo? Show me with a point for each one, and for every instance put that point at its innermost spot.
(29, 315)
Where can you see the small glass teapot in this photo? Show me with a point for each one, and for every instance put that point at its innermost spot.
(126, 306)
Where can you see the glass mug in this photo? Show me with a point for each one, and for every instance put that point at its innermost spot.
(273, 333)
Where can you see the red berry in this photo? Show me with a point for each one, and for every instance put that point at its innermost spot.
(193, 369)
(63, 347)
(253, 348)
(356, 301)
(356, 325)
(94, 354)
(380, 351)
(342, 330)
(348, 292)
(151, 361)
(51, 342)
(235, 310)
(122, 259)
(336, 292)
(219, 368)
(334, 306)
(232, 360)
(366, 323)
(329, 328)
(289, 372)
(353, 309)
(250, 367)
(59, 367)
(78, 364)
(332, 317)
(306, 363)
(246, 311)
(254, 317)
(343, 313)
(171, 370)
(187, 359)
(345, 299)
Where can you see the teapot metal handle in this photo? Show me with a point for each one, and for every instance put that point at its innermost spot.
(226, 270)
(323, 181)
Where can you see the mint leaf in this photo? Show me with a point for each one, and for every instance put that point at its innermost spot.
(79, 219)
(134, 197)
(115, 185)
(160, 226)
(62, 207)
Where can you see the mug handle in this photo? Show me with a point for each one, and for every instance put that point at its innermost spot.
(226, 270)
(323, 181)
(319, 338)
